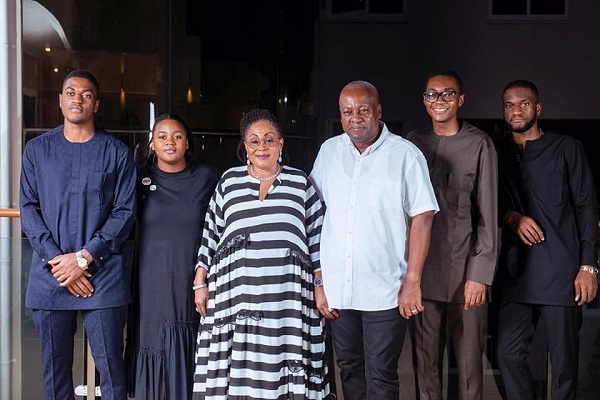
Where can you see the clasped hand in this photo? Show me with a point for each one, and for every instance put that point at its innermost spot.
(70, 276)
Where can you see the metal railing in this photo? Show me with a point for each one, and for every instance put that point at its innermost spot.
(10, 212)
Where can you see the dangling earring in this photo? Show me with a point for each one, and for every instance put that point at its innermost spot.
(247, 160)
(280, 151)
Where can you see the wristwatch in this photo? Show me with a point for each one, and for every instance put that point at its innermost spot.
(318, 282)
(591, 269)
(82, 262)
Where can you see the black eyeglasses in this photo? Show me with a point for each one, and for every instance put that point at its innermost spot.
(447, 96)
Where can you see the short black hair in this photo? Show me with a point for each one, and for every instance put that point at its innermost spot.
(78, 73)
(523, 83)
(189, 155)
(250, 118)
(450, 74)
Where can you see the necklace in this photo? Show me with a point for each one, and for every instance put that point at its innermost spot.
(267, 178)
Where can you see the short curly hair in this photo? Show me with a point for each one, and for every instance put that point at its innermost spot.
(78, 73)
(447, 73)
(523, 83)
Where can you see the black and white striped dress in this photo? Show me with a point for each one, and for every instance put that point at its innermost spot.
(262, 337)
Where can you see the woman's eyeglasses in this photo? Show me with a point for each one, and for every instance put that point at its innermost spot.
(254, 142)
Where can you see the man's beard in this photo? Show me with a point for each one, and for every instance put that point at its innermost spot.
(77, 121)
(528, 125)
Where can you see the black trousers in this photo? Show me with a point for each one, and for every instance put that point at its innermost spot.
(104, 328)
(368, 345)
(516, 328)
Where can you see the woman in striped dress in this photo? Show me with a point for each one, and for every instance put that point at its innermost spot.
(260, 336)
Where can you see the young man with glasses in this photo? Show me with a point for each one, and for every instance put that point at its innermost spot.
(462, 256)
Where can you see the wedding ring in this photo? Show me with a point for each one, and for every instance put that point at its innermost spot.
(414, 311)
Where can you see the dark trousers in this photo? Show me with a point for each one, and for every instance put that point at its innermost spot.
(104, 329)
(467, 330)
(368, 345)
(516, 328)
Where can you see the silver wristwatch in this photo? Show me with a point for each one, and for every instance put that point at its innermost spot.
(591, 269)
(318, 282)
(82, 262)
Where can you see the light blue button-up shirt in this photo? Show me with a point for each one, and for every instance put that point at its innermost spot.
(369, 200)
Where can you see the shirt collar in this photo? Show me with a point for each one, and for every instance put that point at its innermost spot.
(382, 136)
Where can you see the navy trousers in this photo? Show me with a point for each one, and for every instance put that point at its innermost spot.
(516, 328)
(104, 329)
(368, 345)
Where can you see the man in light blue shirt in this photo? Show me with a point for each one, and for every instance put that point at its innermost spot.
(375, 238)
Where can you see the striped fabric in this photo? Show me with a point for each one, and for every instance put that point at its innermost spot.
(262, 337)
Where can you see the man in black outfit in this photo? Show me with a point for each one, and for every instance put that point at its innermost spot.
(548, 257)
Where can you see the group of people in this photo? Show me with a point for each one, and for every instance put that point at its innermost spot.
(236, 275)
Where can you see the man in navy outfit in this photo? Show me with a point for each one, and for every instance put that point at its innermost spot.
(77, 203)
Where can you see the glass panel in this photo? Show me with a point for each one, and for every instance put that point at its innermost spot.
(102, 37)
(347, 6)
(386, 7)
(183, 56)
(509, 7)
(548, 7)
(221, 149)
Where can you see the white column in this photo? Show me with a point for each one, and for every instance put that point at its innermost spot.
(5, 280)
(9, 107)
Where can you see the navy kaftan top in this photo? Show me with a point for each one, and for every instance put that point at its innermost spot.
(74, 196)
(551, 182)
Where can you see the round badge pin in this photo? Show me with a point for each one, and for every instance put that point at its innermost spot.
(146, 181)
(152, 188)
